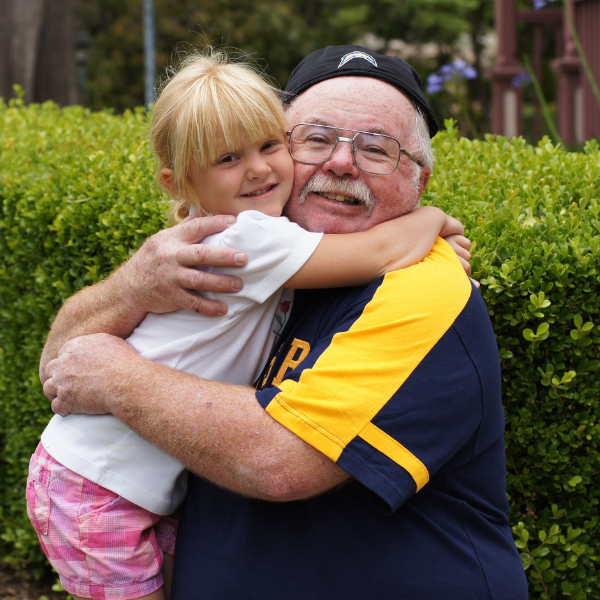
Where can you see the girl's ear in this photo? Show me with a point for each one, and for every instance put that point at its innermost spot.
(166, 178)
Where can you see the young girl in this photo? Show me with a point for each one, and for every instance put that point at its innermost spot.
(99, 496)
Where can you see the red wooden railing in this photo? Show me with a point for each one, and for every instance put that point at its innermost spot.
(578, 111)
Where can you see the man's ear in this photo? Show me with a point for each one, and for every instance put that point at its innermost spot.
(425, 175)
(166, 179)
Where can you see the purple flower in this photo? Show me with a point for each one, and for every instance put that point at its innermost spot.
(521, 80)
(457, 69)
(446, 72)
(469, 72)
(464, 69)
(537, 4)
(435, 84)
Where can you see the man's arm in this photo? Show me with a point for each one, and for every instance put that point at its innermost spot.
(223, 434)
(158, 278)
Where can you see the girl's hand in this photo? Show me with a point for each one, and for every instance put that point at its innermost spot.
(461, 245)
(453, 232)
(452, 226)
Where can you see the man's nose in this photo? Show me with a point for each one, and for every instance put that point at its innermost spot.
(341, 162)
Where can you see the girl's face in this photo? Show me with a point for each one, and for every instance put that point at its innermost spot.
(259, 176)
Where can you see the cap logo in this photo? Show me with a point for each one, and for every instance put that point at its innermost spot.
(357, 54)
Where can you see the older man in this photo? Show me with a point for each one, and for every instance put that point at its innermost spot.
(370, 460)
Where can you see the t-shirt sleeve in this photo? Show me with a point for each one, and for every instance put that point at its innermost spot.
(277, 249)
(391, 394)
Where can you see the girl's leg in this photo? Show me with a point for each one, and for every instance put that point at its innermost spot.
(163, 593)
(66, 542)
(157, 595)
(167, 571)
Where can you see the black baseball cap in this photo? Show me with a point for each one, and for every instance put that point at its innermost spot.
(343, 61)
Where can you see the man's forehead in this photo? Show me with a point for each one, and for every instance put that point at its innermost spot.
(329, 123)
(360, 103)
(337, 84)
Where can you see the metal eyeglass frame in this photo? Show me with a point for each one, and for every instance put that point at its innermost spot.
(351, 142)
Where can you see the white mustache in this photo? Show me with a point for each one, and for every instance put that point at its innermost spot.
(335, 185)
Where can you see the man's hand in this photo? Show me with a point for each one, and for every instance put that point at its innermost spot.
(215, 429)
(160, 277)
(77, 378)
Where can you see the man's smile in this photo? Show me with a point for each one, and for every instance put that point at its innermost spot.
(347, 192)
(341, 198)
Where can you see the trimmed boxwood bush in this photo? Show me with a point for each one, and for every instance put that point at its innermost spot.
(78, 197)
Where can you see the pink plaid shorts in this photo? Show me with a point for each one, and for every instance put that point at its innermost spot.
(102, 546)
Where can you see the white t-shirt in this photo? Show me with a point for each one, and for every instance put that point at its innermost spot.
(232, 348)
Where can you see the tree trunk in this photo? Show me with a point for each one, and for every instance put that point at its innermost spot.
(478, 26)
(37, 49)
(55, 75)
(5, 27)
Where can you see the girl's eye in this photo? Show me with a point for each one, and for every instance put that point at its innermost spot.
(227, 158)
(269, 145)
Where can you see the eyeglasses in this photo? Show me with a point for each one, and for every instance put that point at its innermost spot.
(373, 152)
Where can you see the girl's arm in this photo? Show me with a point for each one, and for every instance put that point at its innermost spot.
(358, 258)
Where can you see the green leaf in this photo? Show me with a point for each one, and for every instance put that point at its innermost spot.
(548, 576)
(529, 335)
(543, 328)
(544, 565)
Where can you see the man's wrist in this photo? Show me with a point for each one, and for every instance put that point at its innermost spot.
(128, 377)
(131, 307)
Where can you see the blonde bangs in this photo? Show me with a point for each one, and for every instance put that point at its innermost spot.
(207, 103)
(235, 103)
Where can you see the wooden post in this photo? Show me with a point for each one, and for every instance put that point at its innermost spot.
(537, 62)
(587, 21)
(506, 100)
(568, 93)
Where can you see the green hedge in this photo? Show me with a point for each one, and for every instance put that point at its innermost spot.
(78, 196)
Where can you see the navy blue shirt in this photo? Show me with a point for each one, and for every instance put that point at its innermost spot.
(399, 384)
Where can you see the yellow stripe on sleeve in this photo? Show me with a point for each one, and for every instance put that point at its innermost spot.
(363, 367)
(387, 445)
(310, 431)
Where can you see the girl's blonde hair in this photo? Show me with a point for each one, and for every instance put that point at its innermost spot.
(208, 100)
